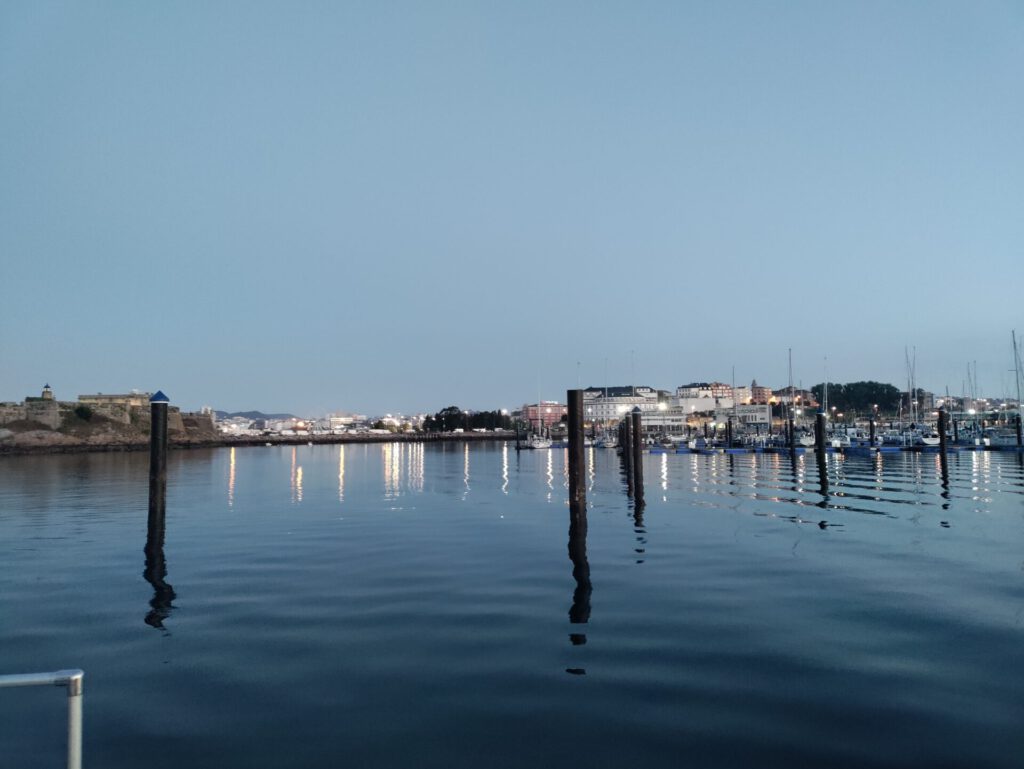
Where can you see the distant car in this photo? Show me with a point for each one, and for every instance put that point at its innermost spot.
(458, 430)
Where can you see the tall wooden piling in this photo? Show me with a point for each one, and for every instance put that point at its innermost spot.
(577, 460)
(871, 431)
(819, 431)
(942, 430)
(638, 455)
(627, 453)
(956, 432)
(158, 436)
(1019, 436)
(791, 435)
(156, 567)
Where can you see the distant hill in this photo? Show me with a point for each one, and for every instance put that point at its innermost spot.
(252, 415)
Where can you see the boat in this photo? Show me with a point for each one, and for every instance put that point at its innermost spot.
(607, 441)
(538, 442)
(998, 436)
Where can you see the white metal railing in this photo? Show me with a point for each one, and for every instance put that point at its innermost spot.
(72, 679)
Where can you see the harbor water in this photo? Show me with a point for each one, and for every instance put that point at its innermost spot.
(410, 605)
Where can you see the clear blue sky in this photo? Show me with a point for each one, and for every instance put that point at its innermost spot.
(399, 206)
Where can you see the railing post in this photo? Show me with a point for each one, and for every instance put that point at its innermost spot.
(74, 684)
(72, 680)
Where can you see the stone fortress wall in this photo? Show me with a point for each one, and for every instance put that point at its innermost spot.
(130, 410)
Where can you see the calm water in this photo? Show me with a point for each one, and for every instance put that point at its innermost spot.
(417, 606)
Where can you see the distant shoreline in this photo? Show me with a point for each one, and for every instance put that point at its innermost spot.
(273, 440)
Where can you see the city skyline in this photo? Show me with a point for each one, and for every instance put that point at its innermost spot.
(351, 207)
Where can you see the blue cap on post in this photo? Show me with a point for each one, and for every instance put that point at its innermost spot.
(159, 397)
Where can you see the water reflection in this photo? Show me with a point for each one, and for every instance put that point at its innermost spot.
(294, 481)
(579, 612)
(591, 475)
(664, 477)
(504, 468)
(341, 473)
(391, 467)
(231, 478)
(155, 571)
(465, 469)
(416, 466)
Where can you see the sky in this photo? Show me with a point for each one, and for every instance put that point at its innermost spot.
(395, 207)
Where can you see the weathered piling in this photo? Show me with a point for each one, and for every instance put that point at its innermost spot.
(158, 436)
(638, 456)
(627, 453)
(871, 431)
(577, 461)
(791, 434)
(956, 431)
(819, 431)
(942, 430)
(1019, 436)
(728, 433)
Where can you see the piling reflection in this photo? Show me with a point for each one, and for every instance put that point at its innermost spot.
(579, 612)
(639, 531)
(823, 479)
(944, 476)
(155, 571)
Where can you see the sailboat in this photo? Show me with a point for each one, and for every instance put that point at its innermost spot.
(538, 439)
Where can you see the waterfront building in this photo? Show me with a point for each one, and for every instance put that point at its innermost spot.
(543, 414)
(607, 404)
(748, 415)
(759, 394)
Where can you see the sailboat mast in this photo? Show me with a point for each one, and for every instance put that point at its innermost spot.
(1016, 367)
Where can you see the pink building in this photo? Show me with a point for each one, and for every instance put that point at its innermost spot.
(544, 414)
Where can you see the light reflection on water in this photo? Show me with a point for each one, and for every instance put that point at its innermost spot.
(760, 610)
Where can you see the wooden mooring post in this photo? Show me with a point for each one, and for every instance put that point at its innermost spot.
(155, 571)
(626, 446)
(942, 430)
(819, 431)
(577, 459)
(638, 456)
(158, 437)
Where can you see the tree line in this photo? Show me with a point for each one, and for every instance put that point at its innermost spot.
(454, 418)
(859, 396)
